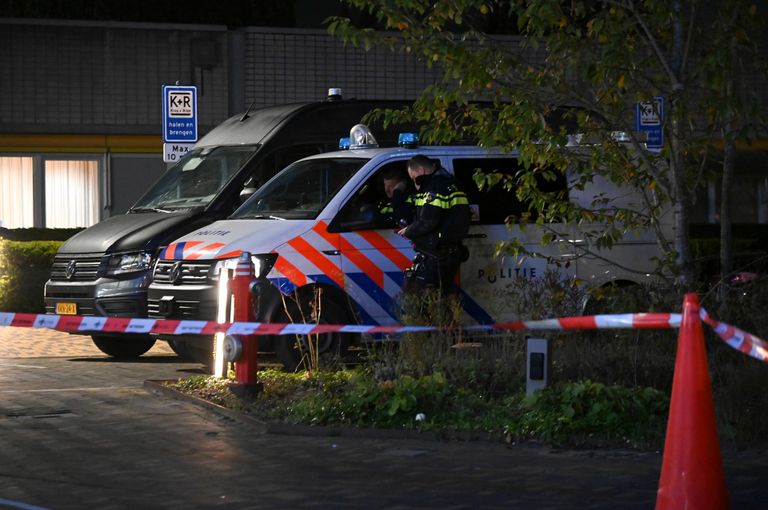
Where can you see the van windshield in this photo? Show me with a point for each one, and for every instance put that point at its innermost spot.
(301, 190)
(195, 179)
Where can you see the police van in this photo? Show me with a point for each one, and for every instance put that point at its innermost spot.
(318, 238)
(105, 269)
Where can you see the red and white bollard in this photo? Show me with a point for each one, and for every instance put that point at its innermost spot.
(242, 349)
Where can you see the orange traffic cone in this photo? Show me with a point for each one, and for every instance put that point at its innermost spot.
(692, 470)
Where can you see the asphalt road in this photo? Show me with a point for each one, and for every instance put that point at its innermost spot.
(78, 430)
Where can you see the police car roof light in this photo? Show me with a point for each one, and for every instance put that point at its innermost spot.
(344, 143)
(408, 139)
(360, 137)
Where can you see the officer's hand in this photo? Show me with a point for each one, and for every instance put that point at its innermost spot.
(401, 232)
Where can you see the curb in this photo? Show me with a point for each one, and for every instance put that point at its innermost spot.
(291, 429)
(157, 386)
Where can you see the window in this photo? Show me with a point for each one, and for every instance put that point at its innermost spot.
(279, 159)
(16, 195)
(196, 179)
(49, 192)
(301, 190)
(749, 191)
(492, 206)
(71, 193)
(366, 209)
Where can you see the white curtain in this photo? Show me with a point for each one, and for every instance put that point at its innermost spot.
(16, 196)
(71, 193)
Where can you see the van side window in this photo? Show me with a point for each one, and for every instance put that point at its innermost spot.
(492, 206)
(367, 209)
(279, 159)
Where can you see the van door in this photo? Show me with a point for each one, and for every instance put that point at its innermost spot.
(373, 256)
(487, 280)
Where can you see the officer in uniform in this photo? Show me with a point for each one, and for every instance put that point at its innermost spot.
(398, 206)
(441, 221)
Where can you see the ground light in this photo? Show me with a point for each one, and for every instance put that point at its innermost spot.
(219, 360)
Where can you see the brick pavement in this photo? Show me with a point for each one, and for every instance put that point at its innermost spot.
(47, 343)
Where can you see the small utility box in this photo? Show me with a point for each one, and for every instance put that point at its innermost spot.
(537, 369)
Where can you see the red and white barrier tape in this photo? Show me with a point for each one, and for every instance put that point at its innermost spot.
(740, 340)
(186, 327)
(736, 338)
(77, 323)
(615, 321)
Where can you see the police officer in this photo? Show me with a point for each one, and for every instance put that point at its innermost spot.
(441, 221)
(398, 206)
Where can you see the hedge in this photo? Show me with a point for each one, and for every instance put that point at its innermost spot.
(24, 269)
(38, 234)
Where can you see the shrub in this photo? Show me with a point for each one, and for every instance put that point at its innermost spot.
(494, 361)
(579, 414)
(24, 269)
(38, 234)
(586, 412)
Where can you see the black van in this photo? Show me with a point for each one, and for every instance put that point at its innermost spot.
(105, 269)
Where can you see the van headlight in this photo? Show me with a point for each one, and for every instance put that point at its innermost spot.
(129, 262)
(262, 265)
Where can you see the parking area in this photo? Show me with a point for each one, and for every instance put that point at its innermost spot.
(48, 343)
(78, 430)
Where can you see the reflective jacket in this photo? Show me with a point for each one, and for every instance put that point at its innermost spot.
(441, 216)
(399, 209)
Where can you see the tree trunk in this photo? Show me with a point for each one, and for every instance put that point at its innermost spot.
(682, 240)
(726, 238)
(677, 159)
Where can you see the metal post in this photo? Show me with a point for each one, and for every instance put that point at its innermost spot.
(537, 365)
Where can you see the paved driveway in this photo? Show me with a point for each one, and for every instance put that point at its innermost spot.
(78, 430)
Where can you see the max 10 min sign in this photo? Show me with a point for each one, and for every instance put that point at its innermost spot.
(172, 152)
(179, 113)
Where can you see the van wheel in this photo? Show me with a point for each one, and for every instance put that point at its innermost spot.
(201, 352)
(180, 348)
(197, 351)
(122, 347)
(293, 351)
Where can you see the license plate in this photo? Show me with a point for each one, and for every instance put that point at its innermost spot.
(66, 308)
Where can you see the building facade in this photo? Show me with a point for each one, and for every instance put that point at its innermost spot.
(81, 111)
(80, 102)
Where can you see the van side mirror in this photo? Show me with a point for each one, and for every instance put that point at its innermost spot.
(246, 193)
(249, 188)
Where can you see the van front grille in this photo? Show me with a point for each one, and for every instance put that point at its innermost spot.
(182, 272)
(76, 268)
(184, 310)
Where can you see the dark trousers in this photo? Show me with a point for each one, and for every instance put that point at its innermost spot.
(434, 270)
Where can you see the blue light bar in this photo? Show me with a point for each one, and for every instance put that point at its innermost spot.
(344, 143)
(408, 139)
